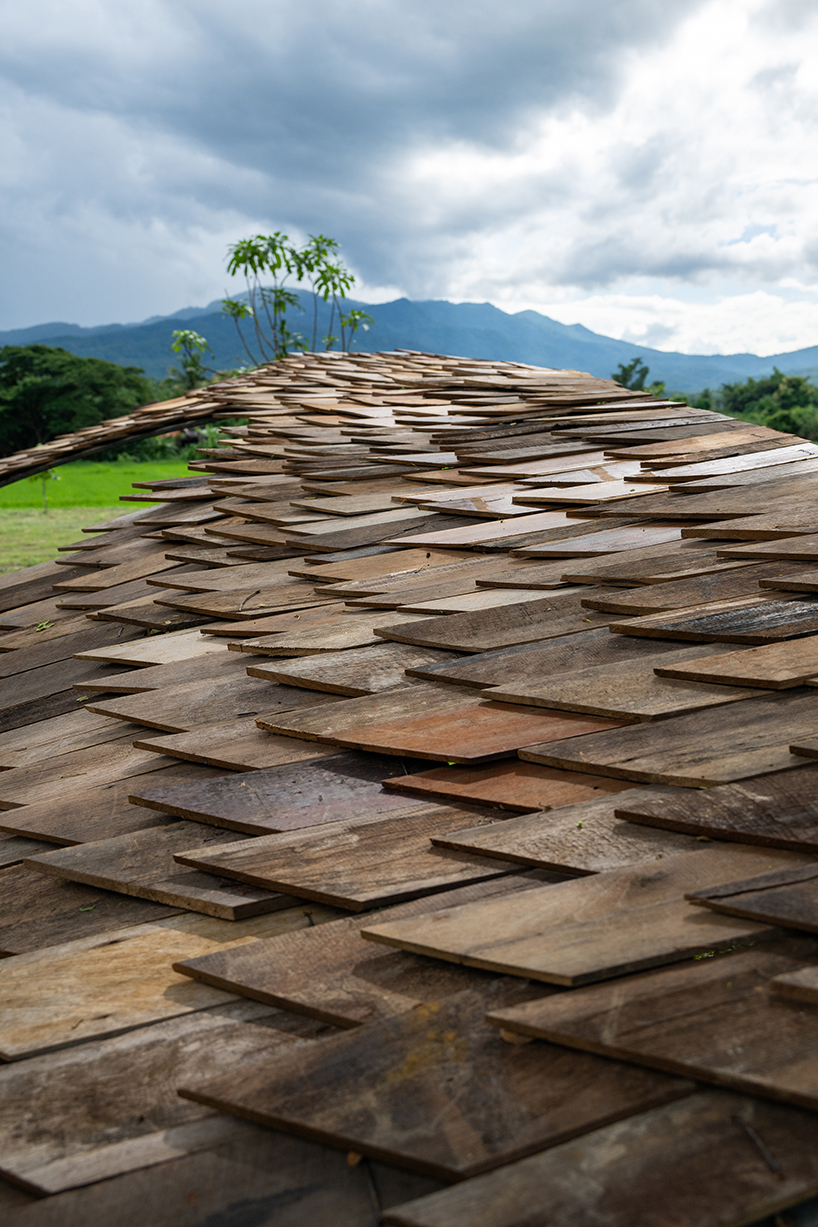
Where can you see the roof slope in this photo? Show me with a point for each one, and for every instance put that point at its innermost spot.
(447, 705)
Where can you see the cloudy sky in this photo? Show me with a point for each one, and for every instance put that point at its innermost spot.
(646, 168)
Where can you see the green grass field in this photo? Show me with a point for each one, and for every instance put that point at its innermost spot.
(86, 494)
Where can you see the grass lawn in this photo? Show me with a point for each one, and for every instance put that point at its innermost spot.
(86, 494)
(85, 484)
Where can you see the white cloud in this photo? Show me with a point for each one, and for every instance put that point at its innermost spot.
(642, 168)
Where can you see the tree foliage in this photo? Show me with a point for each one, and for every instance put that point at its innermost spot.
(783, 402)
(191, 371)
(46, 392)
(271, 265)
(632, 375)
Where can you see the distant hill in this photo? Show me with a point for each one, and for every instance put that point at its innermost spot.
(470, 330)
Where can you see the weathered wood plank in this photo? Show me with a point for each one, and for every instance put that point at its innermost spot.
(746, 620)
(712, 1019)
(582, 838)
(515, 785)
(97, 1110)
(777, 811)
(549, 656)
(330, 973)
(235, 745)
(707, 747)
(56, 777)
(773, 666)
(356, 863)
(701, 1155)
(179, 709)
(627, 691)
(141, 864)
(368, 670)
(683, 593)
(596, 927)
(541, 618)
(435, 722)
(788, 898)
(119, 980)
(155, 649)
(420, 1067)
(285, 798)
(36, 912)
(56, 648)
(218, 666)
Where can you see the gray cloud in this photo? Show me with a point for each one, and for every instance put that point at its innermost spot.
(147, 127)
(139, 141)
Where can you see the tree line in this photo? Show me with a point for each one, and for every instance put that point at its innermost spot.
(788, 403)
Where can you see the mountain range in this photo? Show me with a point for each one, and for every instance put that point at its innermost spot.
(469, 330)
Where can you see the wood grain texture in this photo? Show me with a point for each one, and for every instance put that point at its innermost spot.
(89, 813)
(605, 540)
(600, 926)
(98, 1110)
(284, 798)
(241, 603)
(802, 581)
(141, 864)
(331, 974)
(515, 785)
(154, 650)
(419, 1069)
(45, 682)
(726, 1027)
(700, 443)
(179, 709)
(36, 912)
(586, 837)
(698, 1155)
(355, 864)
(98, 581)
(773, 666)
(683, 593)
(634, 567)
(777, 811)
(58, 647)
(76, 730)
(377, 565)
(541, 618)
(787, 898)
(235, 745)
(218, 666)
(15, 848)
(801, 548)
(550, 657)
(627, 691)
(744, 621)
(117, 981)
(473, 733)
(708, 747)
(366, 671)
(56, 777)
(465, 602)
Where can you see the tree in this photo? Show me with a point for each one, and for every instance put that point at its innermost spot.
(783, 402)
(272, 257)
(192, 347)
(44, 479)
(46, 391)
(633, 376)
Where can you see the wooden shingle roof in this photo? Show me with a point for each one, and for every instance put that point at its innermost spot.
(411, 818)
